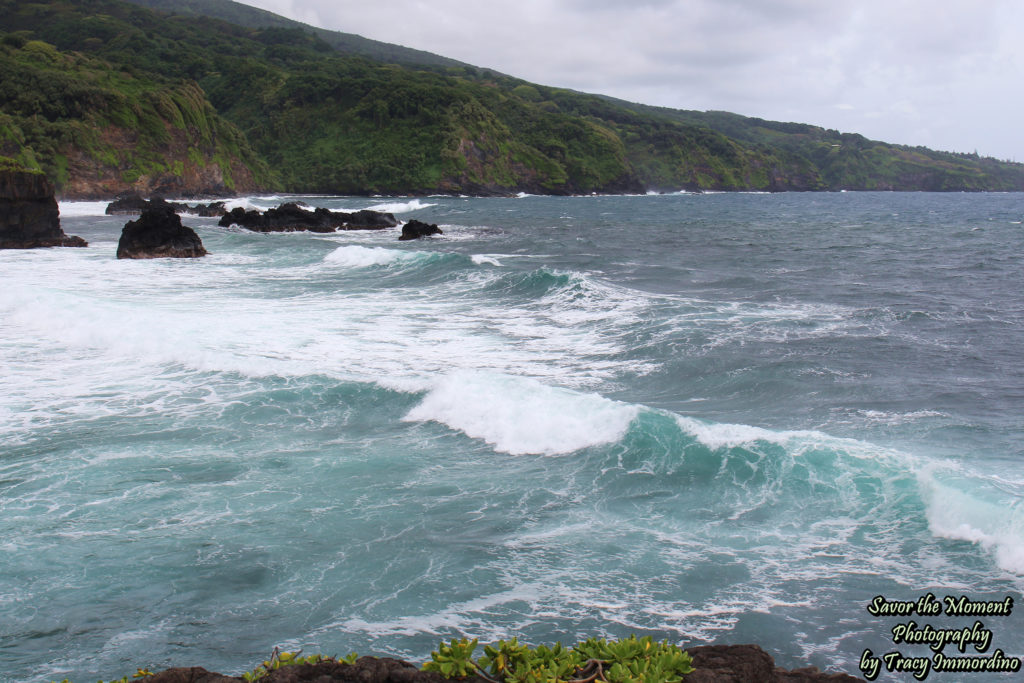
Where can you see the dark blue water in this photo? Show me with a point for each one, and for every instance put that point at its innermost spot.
(709, 418)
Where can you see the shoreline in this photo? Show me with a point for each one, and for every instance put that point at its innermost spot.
(60, 197)
(746, 663)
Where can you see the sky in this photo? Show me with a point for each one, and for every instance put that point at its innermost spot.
(946, 74)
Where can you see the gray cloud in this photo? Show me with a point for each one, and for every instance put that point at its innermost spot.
(941, 73)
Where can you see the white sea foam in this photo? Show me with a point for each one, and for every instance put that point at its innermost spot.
(77, 209)
(355, 256)
(481, 259)
(459, 617)
(400, 207)
(897, 418)
(725, 435)
(114, 326)
(246, 203)
(519, 416)
(982, 510)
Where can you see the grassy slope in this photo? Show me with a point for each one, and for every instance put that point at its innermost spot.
(347, 43)
(97, 129)
(326, 120)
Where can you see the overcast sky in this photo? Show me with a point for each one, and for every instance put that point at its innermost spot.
(947, 74)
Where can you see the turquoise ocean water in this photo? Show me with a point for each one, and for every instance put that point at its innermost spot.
(709, 418)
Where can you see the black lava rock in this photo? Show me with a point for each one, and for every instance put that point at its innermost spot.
(158, 233)
(414, 229)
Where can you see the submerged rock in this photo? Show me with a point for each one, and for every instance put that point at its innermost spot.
(414, 229)
(291, 217)
(158, 233)
(29, 216)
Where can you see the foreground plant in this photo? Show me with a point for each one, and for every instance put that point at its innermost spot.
(633, 660)
(279, 659)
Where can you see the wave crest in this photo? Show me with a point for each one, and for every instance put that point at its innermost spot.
(523, 416)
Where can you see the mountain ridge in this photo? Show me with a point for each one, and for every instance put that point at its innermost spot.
(186, 103)
(254, 17)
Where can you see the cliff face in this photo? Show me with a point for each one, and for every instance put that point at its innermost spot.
(191, 168)
(98, 131)
(29, 216)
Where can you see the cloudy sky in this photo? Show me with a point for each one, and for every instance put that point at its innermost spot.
(947, 74)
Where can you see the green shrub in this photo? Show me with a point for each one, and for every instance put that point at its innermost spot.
(633, 660)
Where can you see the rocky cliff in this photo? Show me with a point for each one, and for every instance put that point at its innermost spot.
(29, 216)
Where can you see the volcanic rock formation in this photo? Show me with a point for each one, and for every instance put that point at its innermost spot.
(158, 233)
(291, 217)
(414, 229)
(29, 216)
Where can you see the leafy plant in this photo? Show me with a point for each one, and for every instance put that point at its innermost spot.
(454, 660)
(279, 659)
(633, 660)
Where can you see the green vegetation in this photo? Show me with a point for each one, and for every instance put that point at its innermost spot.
(102, 90)
(84, 121)
(279, 659)
(633, 660)
(9, 164)
(348, 43)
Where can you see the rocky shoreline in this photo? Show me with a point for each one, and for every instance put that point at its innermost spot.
(711, 663)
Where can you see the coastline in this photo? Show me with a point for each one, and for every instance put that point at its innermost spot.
(746, 663)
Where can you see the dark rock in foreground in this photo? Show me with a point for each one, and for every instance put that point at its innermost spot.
(751, 664)
(414, 229)
(711, 663)
(158, 233)
(291, 217)
(129, 204)
(29, 216)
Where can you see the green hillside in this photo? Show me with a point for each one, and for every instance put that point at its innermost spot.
(95, 129)
(104, 95)
(347, 43)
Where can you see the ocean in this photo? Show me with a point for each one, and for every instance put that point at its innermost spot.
(709, 418)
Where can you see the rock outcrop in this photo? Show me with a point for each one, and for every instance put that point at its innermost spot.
(414, 229)
(291, 217)
(29, 216)
(751, 664)
(128, 204)
(210, 210)
(158, 233)
(132, 203)
(711, 663)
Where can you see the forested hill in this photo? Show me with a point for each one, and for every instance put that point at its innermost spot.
(106, 96)
(347, 43)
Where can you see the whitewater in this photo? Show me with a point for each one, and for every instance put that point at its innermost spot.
(711, 418)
